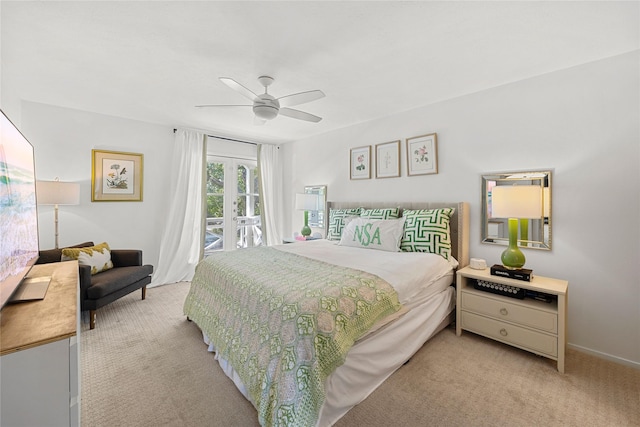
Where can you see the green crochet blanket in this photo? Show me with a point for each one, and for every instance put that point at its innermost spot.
(284, 322)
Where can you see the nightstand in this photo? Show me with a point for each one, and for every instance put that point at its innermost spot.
(529, 324)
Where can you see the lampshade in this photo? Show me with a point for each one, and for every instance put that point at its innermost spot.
(307, 202)
(57, 193)
(516, 201)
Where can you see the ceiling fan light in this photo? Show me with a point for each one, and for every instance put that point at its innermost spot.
(266, 107)
(266, 112)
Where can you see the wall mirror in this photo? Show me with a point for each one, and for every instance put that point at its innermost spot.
(534, 228)
(317, 218)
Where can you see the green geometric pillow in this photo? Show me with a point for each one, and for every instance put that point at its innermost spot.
(427, 231)
(388, 213)
(337, 219)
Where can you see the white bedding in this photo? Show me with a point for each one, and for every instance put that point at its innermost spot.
(374, 358)
(410, 273)
(422, 282)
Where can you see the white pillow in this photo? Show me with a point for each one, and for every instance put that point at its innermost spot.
(98, 257)
(384, 235)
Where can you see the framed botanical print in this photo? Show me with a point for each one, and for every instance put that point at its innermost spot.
(360, 163)
(116, 176)
(422, 155)
(388, 159)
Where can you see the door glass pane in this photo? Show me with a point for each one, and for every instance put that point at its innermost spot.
(249, 226)
(256, 205)
(213, 239)
(256, 183)
(242, 179)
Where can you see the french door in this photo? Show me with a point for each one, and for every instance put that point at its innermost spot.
(233, 205)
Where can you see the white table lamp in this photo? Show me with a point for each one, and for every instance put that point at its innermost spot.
(306, 202)
(515, 202)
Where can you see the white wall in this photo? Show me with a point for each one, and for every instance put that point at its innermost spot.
(582, 122)
(63, 140)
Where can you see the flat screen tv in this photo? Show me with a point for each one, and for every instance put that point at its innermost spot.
(18, 209)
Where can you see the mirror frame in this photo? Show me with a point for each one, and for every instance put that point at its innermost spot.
(542, 227)
(317, 218)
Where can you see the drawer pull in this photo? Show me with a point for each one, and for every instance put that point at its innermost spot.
(503, 332)
(504, 311)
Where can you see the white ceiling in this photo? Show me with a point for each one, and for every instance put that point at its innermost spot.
(154, 61)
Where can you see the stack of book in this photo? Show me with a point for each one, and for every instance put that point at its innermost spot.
(518, 273)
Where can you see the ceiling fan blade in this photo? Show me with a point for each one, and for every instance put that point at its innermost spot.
(221, 105)
(301, 115)
(300, 98)
(239, 88)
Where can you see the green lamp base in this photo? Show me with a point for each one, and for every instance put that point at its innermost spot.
(512, 257)
(306, 230)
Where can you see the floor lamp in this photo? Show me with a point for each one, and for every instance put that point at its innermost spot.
(57, 193)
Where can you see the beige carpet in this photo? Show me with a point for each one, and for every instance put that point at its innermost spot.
(146, 365)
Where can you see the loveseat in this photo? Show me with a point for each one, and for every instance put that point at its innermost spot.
(99, 289)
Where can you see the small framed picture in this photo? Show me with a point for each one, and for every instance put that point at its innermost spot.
(116, 176)
(422, 155)
(388, 159)
(360, 163)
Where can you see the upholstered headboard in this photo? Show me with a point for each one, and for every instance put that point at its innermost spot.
(459, 221)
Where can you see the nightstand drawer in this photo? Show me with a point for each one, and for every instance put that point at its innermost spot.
(500, 308)
(511, 334)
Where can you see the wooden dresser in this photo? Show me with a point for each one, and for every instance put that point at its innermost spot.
(40, 353)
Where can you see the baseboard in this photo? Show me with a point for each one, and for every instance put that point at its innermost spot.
(606, 356)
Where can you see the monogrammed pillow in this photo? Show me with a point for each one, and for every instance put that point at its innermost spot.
(384, 235)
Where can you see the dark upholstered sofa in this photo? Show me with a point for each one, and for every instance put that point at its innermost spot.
(127, 275)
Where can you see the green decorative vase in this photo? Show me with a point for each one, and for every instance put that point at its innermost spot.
(306, 230)
(512, 257)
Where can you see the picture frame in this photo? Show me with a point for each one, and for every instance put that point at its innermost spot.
(116, 176)
(360, 163)
(422, 155)
(388, 159)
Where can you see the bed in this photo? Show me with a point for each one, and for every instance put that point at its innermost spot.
(375, 309)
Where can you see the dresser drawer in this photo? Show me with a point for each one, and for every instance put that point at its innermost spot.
(502, 309)
(536, 342)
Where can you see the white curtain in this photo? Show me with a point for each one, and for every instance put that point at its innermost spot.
(180, 244)
(270, 193)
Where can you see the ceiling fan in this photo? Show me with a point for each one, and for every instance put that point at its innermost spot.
(267, 107)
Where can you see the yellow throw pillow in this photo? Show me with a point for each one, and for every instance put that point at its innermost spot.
(98, 257)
